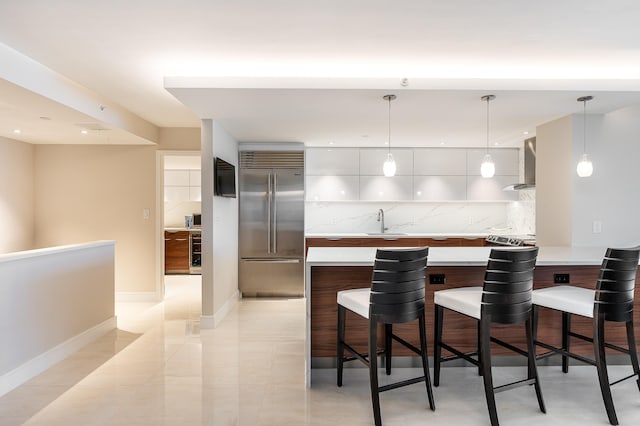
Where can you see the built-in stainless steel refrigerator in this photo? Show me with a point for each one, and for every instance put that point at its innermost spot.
(271, 230)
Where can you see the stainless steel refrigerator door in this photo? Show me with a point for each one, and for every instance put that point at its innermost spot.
(288, 213)
(256, 198)
(272, 277)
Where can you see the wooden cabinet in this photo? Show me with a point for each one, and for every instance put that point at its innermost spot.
(176, 252)
(395, 241)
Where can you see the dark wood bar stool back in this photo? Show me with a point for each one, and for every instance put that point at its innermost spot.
(612, 301)
(396, 296)
(504, 298)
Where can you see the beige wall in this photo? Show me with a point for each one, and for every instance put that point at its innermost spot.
(179, 138)
(86, 193)
(16, 196)
(554, 170)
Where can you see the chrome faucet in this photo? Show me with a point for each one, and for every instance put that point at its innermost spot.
(381, 220)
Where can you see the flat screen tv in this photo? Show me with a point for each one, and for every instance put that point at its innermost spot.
(224, 181)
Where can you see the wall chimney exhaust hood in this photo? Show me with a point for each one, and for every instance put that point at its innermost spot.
(529, 167)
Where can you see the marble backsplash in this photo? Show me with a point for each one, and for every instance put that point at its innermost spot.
(516, 218)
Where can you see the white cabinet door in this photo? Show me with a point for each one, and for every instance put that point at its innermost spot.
(331, 188)
(506, 161)
(439, 162)
(176, 178)
(176, 193)
(481, 189)
(439, 188)
(195, 177)
(371, 161)
(332, 161)
(381, 188)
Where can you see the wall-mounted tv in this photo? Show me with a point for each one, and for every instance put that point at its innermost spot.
(224, 180)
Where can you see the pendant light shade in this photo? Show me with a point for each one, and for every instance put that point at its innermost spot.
(389, 166)
(488, 168)
(585, 167)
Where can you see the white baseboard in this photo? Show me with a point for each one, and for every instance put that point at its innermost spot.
(213, 321)
(138, 296)
(40, 363)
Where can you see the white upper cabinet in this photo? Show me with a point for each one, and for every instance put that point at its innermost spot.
(332, 162)
(381, 188)
(331, 188)
(439, 162)
(506, 161)
(176, 178)
(440, 188)
(423, 174)
(481, 189)
(371, 161)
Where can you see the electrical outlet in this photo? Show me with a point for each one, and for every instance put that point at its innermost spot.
(437, 279)
(146, 213)
(561, 278)
(597, 226)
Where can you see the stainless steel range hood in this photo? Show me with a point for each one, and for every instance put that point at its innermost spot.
(529, 167)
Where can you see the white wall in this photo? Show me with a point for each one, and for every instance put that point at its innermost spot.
(219, 229)
(17, 202)
(17, 199)
(567, 205)
(611, 195)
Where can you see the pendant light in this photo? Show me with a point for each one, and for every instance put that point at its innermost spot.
(585, 168)
(389, 166)
(487, 169)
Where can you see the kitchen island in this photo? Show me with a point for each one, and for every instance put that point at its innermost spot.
(331, 269)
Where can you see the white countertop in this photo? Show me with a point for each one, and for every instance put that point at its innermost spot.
(392, 235)
(453, 256)
(176, 229)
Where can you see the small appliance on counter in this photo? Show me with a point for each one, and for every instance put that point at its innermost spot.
(511, 240)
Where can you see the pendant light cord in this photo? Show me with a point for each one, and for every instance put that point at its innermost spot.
(389, 143)
(488, 99)
(584, 126)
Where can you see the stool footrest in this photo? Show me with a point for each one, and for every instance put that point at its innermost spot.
(405, 343)
(559, 351)
(512, 385)
(457, 355)
(400, 384)
(508, 346)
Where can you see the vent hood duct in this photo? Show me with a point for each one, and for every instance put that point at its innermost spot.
(529, 167)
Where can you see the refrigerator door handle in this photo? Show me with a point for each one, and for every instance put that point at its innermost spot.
(272, 260)
(269, 194)
(275, 212)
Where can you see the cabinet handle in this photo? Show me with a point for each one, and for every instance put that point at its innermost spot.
(181, 239)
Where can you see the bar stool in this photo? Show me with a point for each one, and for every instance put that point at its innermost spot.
(612, 300)
(504, 298)
(396, 296)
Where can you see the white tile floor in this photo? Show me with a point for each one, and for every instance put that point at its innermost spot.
(160, 368)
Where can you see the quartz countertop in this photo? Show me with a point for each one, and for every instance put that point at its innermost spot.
(394, 235)
(454, 256)
(176, 229)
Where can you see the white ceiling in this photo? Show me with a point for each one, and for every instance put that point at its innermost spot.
(537, 57)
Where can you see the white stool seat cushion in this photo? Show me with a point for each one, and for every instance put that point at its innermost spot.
(356, 300)
(566, 298)
(466, 300)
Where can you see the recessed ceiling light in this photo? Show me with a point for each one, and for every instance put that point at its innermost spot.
(84, 131)
(525, 132)
(443, 143)
(330, 143)
(17, 131)
(496, 143)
